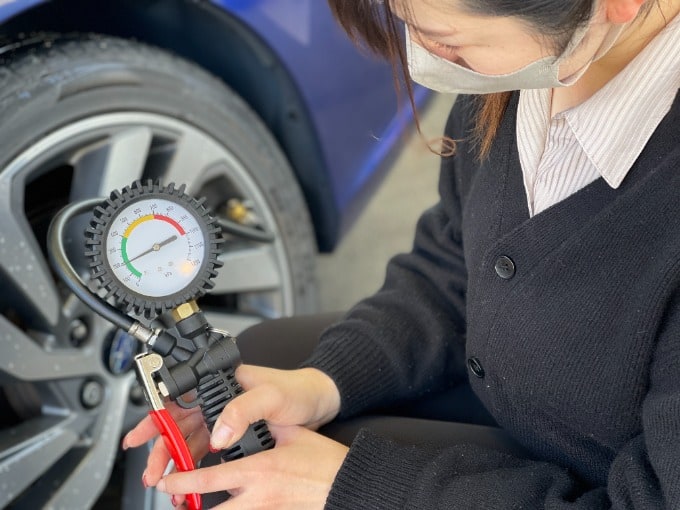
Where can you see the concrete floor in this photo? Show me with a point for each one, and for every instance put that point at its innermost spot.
(357, 268)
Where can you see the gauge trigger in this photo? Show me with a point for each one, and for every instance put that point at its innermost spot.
(147, 365)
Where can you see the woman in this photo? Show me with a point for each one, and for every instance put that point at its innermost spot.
(547, 279)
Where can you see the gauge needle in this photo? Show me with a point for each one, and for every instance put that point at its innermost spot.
(155, 247)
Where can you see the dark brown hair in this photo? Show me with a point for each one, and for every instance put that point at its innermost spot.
(372, 25)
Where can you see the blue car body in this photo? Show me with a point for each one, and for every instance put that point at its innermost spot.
(331, 107)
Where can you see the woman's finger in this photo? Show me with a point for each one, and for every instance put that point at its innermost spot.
(198, 446)
(146, 430)
(250, 376)
(191, 423)
(156, 463)
(262, 402)
(159, 457)
(227, 476)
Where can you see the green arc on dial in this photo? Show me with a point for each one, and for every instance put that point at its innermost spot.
(133, 226)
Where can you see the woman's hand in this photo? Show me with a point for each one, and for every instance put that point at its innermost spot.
(304, 397)
(192, 426)
(297, 474)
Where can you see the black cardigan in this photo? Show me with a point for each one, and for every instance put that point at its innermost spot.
(572, 318)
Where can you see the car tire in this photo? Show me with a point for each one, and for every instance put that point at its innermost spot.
(81, 115)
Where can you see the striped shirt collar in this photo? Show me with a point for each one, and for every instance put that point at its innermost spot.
(614, 125)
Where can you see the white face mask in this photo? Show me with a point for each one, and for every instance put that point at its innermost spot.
(445, 76)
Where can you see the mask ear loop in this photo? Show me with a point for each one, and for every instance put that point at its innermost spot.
(609, 40)
(577, 38)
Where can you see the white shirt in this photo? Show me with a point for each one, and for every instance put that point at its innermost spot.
(603, 136)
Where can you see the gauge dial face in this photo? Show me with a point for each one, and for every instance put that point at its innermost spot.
(155, 247)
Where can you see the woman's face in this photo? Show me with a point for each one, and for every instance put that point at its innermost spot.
(486, 44)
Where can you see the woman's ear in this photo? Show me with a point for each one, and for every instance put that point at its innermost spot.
(622, 11)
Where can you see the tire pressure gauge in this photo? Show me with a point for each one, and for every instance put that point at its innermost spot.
(153, 248)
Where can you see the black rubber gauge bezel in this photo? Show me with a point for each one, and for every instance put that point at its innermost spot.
(103, 220)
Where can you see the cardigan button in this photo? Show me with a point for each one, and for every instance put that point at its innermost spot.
(505, 267)
(475, 367)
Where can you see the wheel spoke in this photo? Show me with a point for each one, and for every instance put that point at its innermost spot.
(28, 450)
(111, 165)
(194, 152)
(89, 477)
(30, 283)
(248, 270)
(23, 359)
(78, 466)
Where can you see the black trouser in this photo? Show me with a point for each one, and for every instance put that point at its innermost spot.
(454, 417)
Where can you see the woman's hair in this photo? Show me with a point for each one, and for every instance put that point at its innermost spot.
(371, 24)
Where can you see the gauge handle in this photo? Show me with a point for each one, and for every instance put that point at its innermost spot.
(256, 439)
(216, 390)
(177, 446)
(215, 377)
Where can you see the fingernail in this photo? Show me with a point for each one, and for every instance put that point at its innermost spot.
(124, 444)
(160, 486)
(212, 450)
(146, 484)
(221, 436)
(173, 500)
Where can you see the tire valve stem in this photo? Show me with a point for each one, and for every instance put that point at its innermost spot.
(237, 211)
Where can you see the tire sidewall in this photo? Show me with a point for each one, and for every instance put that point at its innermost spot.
(46, 90)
